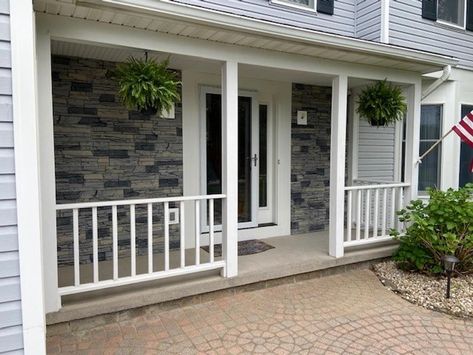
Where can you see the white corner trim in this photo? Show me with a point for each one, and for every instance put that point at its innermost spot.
(25, 124)
(384, 35)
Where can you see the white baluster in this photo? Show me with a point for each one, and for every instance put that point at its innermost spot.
(95, 246)
(197, 232)
(385, 212)
(150, 238)
(376, 212)
(358, 214)
(183, 235)
(115, 242)
(166, 236)
(400, 198)
(393, 207)
(133, 240)
(75, 227)
(349, 212)
(367, 214)
(211, 229)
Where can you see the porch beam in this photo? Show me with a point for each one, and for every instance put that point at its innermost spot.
(74, 29)
(337, 165)
(413, 93)
(230, 167)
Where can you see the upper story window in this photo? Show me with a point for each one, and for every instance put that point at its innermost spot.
(451, 12)
(301, 4)
(322, 6)
(456, 13)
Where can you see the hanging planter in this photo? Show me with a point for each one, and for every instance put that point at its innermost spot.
(146, 85)
(382, 104)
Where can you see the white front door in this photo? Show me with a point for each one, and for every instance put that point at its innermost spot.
(248, 154)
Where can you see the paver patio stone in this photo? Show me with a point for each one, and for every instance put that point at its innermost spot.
(350, 313)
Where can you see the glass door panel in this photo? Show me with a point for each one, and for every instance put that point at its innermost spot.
(247, 158)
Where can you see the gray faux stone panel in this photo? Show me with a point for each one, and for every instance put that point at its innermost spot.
(104, 152)
(310, 170)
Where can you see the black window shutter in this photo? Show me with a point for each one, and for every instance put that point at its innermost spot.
(325, 6)
(429, 9)
(469, 15)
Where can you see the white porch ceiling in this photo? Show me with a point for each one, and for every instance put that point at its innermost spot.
(152, 22)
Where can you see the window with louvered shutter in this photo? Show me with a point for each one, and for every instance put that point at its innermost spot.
(469, 15)
(325, 6)
(429, 9)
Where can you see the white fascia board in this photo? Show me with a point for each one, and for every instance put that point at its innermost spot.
(200, 15)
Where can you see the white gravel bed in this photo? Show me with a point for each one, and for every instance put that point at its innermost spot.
(428, 291)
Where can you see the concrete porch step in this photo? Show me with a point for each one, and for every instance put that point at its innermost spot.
(293, 259)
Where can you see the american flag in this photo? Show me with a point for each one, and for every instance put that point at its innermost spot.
(465, 130)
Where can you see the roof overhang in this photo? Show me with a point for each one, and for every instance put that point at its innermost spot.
(193, 21)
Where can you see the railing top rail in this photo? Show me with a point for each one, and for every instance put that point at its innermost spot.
(379, 186)
(70, 206)
(376, 181)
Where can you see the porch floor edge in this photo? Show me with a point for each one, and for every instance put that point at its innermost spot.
(255, 273)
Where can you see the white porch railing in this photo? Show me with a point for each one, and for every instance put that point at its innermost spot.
(371, 212)
(133, 278)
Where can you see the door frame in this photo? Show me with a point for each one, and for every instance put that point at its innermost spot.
(203, 91)
(266, 213)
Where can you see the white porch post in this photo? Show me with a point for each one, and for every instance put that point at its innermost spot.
(337, 165)
(28, 189)
(47, 170)
(230, 167)
(412, 141)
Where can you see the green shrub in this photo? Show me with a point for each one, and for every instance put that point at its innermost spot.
(441, 226)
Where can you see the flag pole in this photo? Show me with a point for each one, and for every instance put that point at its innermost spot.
(419, 161)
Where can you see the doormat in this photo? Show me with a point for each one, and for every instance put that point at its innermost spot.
(246, 247)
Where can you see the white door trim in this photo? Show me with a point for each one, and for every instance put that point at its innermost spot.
(266, 214)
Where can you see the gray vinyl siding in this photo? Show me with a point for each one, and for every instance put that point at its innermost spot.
(11, 338)
(376, 152)
(341, 22)
(408, 28)
(368, 20)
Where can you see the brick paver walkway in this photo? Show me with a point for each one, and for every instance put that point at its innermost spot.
(349, 313)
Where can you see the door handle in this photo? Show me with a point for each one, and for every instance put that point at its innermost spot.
(255, 160)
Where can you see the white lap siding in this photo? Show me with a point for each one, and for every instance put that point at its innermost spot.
(11, 339)
(376, 152)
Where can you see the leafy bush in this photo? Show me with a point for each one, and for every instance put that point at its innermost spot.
(146, 85)
(439, 227)
(382, 104)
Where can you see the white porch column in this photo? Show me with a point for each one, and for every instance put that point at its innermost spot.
(414, 93)
(47, 170)
(230, 167)
(28, 189)
(337, 165)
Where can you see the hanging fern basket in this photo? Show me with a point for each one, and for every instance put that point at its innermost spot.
(146, 85)
(382, 104)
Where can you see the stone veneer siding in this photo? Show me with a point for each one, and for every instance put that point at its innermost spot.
(310, 170)
(104, 152)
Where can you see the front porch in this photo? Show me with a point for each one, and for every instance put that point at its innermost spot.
(128, 201)
(293, 258)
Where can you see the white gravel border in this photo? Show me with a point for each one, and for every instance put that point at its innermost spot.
(428, 291)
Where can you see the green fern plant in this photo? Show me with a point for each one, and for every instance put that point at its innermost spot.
(382, 104)
(146, 85)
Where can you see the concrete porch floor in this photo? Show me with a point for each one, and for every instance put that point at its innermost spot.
(292, 256)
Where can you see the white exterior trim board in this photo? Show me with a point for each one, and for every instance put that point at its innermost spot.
(25, 120)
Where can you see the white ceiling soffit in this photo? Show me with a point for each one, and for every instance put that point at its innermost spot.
(202, 24)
